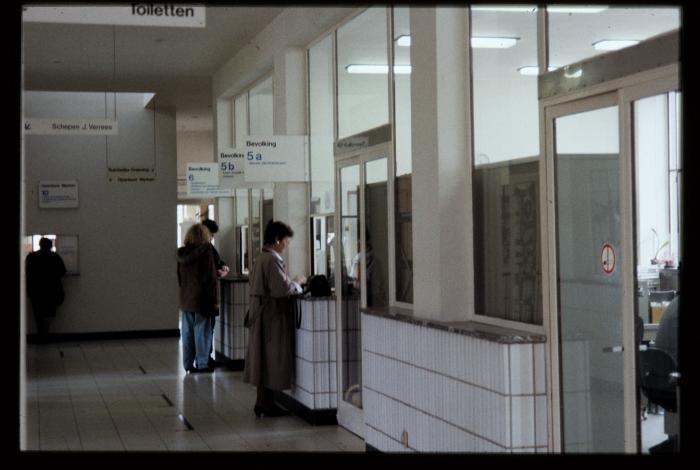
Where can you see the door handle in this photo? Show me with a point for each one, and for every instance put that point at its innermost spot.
(613, 349)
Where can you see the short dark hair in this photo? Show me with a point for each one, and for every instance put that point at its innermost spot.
(276, 230)
(211, 225)
(45, 243)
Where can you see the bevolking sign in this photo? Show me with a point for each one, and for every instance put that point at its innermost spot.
(134, 14)
(278, 158)
(231, 166)
(203, 181)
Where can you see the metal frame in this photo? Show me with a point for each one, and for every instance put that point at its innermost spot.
(621, 92)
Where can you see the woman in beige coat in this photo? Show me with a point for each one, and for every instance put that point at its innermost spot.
(269, 361)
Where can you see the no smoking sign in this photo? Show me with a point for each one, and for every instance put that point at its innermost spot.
(607, 258)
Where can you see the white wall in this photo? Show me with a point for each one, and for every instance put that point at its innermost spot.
(127, 231)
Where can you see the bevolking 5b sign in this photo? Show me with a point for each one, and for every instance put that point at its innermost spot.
(276, 158)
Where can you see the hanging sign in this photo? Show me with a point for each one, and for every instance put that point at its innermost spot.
(135, 14)
(58, 194)
(203, 180)
(276, 158)
(231, 167)
(607, 258)
(60, 126)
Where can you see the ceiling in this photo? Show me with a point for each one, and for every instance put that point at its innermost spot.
(175, 63)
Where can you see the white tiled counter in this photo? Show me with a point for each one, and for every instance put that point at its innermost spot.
(231, 337)
(314, 383)
(451, 387)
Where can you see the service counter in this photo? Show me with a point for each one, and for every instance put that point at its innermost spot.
(432, 386)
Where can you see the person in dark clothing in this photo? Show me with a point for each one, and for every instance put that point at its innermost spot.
(199, 297)
(221, 270)
(44, 270)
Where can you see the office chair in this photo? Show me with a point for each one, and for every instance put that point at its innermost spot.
(657, 383)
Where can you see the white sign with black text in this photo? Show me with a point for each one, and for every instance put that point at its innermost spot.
(203, 180)
(58, 194)
(70, 127)
(276, 158)
(231, 166)
(135, 14)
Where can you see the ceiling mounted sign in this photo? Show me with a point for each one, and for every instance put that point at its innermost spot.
(231, 166)
(278, 158)
(59, 126)
(134, 14)
(203, 181)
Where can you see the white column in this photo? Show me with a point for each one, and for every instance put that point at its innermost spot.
(291, 200)
(442, 213)
(223, 138)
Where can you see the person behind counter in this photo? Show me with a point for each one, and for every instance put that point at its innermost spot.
(221, 270)
(199, 297)
(44, 270)
(269, 359)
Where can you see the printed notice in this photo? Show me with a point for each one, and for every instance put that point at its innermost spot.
(131, 175)
(70, 127)
(58, 194)
(135, 14)
(203, 180)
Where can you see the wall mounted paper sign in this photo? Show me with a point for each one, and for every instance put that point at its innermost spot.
(203, 180)
(67, 247)
(60, 126)
(276, 158)
(134, 14)
(58, 194)
(607, 258)
(231, 167)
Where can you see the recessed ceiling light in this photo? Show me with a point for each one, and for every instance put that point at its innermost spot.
(403, 40)
(493, 43)
(514, 8)
(377, 68)
(614, 44)
(532, 69)
(576, 9)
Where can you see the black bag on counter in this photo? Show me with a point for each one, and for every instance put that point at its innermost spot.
(318, 286)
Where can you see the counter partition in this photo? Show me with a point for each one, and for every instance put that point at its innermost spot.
(433, 386)
(231, 337)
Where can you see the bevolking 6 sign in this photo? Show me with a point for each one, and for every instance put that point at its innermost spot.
(276, 158)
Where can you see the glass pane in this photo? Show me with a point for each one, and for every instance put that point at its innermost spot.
(403, 209)
(350, 307)
(589, 282)
(323, 247)
(506, 172)
(256, 235)
(363, 97)
(240, 113)
(376, 234)
(321, 126)
(242, 230)
(576, 32)
(260, 108)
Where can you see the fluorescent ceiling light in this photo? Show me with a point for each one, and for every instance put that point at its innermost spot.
(532, 69)
(493, 43)
(403, 40)
(523, 8)
(576, 9)
(377, 68)
(614, 44)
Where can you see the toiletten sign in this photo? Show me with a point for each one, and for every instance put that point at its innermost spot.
(134, 14)
(231, 167)
(276, 158)
(59, 126)
(203, 180)
(58, 194)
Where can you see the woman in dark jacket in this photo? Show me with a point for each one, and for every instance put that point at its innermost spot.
(269, 359)
(198, 281)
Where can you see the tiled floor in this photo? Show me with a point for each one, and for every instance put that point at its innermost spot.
(134, 395)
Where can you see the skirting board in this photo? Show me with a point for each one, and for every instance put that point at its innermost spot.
(63, 337)
(314, 417)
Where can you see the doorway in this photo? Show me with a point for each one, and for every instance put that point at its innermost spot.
(612, 165)
(362, 261)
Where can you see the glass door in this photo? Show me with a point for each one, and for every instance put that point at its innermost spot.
(585, 159)
(363, 259)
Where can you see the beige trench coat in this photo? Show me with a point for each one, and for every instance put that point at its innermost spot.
(269, 359)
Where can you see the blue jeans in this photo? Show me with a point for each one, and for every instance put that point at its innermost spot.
(196, 340)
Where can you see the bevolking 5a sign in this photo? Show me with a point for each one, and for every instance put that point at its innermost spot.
(276, 158)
